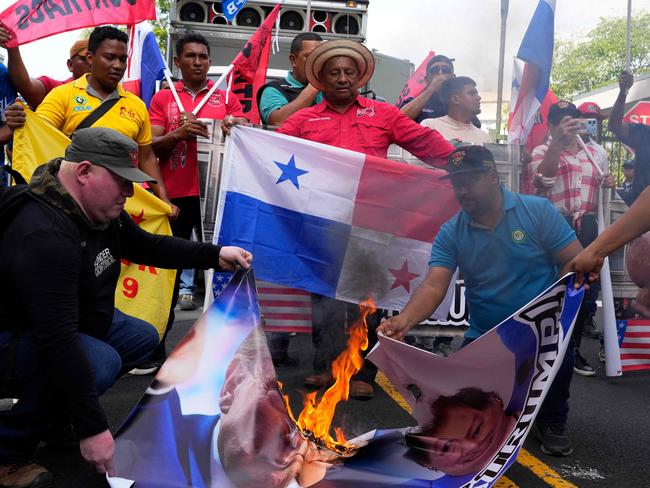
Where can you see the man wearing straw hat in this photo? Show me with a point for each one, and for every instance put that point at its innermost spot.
(347, 120)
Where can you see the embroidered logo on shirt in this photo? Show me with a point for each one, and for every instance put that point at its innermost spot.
(103, 260)
(215, 100)
(80, 100)
(518, 236)
(367, 112)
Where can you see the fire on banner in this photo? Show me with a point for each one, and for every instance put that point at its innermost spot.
(216, 414)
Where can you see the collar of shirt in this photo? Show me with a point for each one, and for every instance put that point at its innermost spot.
(82, 82)
(361, 101)
(180, 87)
(293, 82)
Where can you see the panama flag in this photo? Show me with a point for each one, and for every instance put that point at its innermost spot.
(145, 64)
(329, 220)
(530, 86)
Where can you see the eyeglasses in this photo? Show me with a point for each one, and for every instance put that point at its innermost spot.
(444, 69)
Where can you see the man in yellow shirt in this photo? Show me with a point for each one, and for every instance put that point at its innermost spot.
(68, 105)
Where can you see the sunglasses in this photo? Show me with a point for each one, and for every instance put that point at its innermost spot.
(444, 69)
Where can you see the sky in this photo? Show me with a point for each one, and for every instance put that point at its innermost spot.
(467, 30)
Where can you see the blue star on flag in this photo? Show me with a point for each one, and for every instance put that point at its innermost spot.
(290, 172)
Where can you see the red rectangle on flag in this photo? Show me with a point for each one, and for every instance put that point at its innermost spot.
(404, 200)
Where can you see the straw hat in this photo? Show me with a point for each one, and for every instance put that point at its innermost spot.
(331, 49)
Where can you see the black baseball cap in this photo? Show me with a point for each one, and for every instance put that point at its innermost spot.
(562, 109)
(469, 159)
(107, 148)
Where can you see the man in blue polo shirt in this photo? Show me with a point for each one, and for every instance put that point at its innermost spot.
(509, 248)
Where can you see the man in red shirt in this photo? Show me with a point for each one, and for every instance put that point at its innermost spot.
(34, 90)
(345, 119)
(174, 139)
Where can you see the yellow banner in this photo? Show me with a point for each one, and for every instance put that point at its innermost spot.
(144, 292)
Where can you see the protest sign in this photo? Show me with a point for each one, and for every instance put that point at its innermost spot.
(29, 20)
(215, 414)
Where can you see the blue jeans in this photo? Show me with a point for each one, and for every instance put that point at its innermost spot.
(555, 409)
(128, 342)
(186, 286)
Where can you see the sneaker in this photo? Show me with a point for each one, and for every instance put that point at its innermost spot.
(444, 349)
(601, 354)
(25, 476)
(146, 367)
(590, 330)
(582, 367)
(317, 380)
(361, 390)
(553, 439)
(186, 302)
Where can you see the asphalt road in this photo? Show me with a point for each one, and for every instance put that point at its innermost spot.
(609, 425)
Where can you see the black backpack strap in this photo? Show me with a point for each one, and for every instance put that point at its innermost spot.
(15, 175)
(97, 114)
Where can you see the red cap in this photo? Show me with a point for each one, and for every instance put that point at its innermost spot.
(592, 109)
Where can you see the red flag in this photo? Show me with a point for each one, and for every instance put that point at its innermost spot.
(29, 20)
(249, 74)
(416, 83)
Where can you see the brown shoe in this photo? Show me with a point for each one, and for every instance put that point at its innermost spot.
(25, 476)
(318, 380)
(361, 390)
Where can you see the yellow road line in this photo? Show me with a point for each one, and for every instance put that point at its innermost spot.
(526, 459)
(543, 471)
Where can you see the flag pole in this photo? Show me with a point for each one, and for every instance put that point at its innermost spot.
(613, 365)
(502, 52)
(628, 38)
(168, 78)
(216, 85)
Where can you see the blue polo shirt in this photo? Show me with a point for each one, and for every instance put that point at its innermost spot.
(508, 266)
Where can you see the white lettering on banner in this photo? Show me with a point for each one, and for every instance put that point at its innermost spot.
(458, 312)
(103, 260)
(544, 318)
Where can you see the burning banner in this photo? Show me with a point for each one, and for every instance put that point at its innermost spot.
(216, 415)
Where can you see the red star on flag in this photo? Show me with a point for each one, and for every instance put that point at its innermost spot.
(138, 219)
(403, 276)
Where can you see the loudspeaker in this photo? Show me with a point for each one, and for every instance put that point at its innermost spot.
(347, 24)
(193, 11)
(320, 21)
(216, 14)
(292, 20)
(250, 17)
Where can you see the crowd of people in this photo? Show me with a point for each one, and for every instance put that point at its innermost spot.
(60, 248)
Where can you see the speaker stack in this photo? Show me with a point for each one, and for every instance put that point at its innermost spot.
(193, 11)
(292, 20)
(250, 16)
(346, 24)
(320, 22)
(216, 14)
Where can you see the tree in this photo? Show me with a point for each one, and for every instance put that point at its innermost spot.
(160, 26)
(597, 61)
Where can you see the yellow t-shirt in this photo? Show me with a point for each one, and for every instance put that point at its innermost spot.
(68, 105)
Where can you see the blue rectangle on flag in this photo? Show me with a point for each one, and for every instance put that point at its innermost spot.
(289, 248)
(231, 8)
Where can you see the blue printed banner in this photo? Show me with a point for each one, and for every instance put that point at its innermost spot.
(231, 8)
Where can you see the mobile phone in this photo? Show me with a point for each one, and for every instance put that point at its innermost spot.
(589, 127)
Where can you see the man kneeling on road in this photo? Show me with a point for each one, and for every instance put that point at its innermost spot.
(62, 342)
(509, 248)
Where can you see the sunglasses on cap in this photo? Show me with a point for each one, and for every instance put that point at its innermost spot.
(443, 69)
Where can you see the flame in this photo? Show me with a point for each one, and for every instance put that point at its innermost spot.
(315, 420)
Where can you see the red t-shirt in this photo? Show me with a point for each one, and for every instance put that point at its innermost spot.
(369, 127)
(180, 169)
(50, 83)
